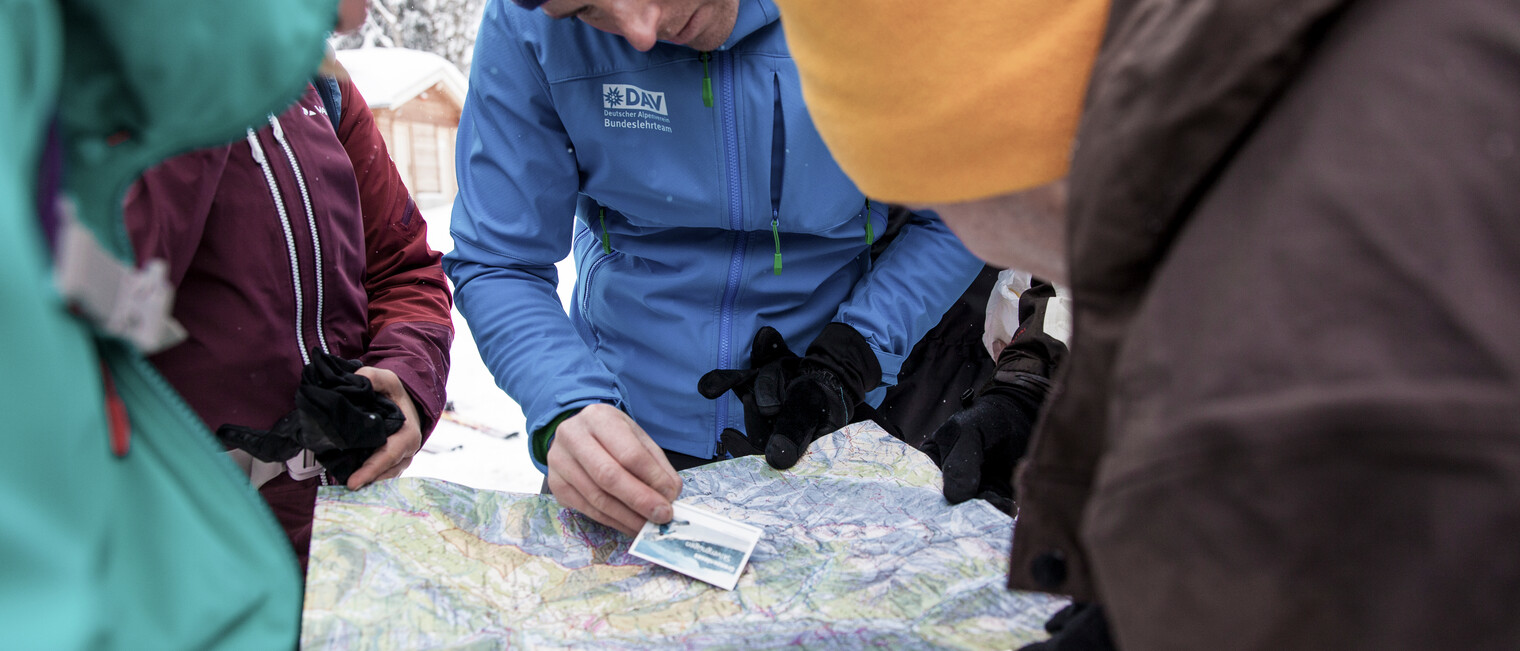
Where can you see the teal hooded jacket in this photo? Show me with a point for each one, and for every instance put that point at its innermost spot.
(158, 541)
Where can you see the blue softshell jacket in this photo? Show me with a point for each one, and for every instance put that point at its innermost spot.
(675, 211)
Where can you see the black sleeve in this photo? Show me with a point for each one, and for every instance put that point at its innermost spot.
(1032, 351)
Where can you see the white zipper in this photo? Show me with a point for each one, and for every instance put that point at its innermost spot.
(311, 220)
(290, 240)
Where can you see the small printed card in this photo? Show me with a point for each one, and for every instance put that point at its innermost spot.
(705, 546)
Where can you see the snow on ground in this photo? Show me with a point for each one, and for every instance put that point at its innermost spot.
(476, 454)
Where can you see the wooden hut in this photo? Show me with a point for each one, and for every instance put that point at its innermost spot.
(416, 98)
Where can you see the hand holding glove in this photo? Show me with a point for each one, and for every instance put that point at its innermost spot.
(790, 401)
(979, 445)
(338, 415)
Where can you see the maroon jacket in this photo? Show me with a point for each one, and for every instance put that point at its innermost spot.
(373, 290)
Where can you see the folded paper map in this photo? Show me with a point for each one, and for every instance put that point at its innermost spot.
(860, 550)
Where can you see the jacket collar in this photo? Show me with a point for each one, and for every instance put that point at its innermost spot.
(753, 14)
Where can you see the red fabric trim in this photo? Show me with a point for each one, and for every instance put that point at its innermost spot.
(116, 415)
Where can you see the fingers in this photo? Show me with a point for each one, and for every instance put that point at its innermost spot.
(963, 466)
(930, 448)
(943, 440)
(1001, 503)
(384, 381)
(395, 456)
(787, 444)
(396, 470)
(661, 476)
(610, 470)
(391, 459)
(387, 384)
(377, 463)
(572, 486)
(782, 452)
(811, 412)
(738, 444)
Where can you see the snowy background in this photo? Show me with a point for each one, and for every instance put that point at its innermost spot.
(483, 444)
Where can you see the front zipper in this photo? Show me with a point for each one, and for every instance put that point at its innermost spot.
(735, 224)
(160, 389)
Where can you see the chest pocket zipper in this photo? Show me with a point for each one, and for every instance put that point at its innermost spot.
(778, 168)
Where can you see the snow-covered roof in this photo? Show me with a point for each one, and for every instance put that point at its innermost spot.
(390, 76)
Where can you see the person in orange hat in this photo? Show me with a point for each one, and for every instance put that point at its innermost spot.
(1289, 418)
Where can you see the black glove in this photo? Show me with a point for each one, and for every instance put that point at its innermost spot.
(790, 401)
(978, 446)
(338, 415)
(1077, 627)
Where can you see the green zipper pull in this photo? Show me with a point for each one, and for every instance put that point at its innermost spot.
(870, 233)
(704, 57)
(776, 235)
(606, 241)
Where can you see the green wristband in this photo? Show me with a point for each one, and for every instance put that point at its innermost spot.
(544, 437)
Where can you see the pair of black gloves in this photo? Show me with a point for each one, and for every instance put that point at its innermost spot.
(791, 401)
(338, 416)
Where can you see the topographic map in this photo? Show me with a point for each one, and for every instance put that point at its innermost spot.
(860, 550)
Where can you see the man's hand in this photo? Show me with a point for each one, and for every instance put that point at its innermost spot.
(979, 445)
(759, 388)
(602, 464)
(977, 449)
(393, 457)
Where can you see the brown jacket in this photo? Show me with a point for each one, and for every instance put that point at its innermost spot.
(1291, 413)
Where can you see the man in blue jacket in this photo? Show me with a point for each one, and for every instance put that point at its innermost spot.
(667, 140)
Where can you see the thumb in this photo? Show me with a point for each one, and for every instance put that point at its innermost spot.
(714, 384)
(737, 443)
(377, 463)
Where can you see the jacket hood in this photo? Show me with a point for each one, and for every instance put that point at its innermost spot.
(141, 88)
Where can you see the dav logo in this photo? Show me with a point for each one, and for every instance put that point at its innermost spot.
(628, 96)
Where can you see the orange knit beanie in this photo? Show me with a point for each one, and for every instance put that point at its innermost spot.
(945, 101)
